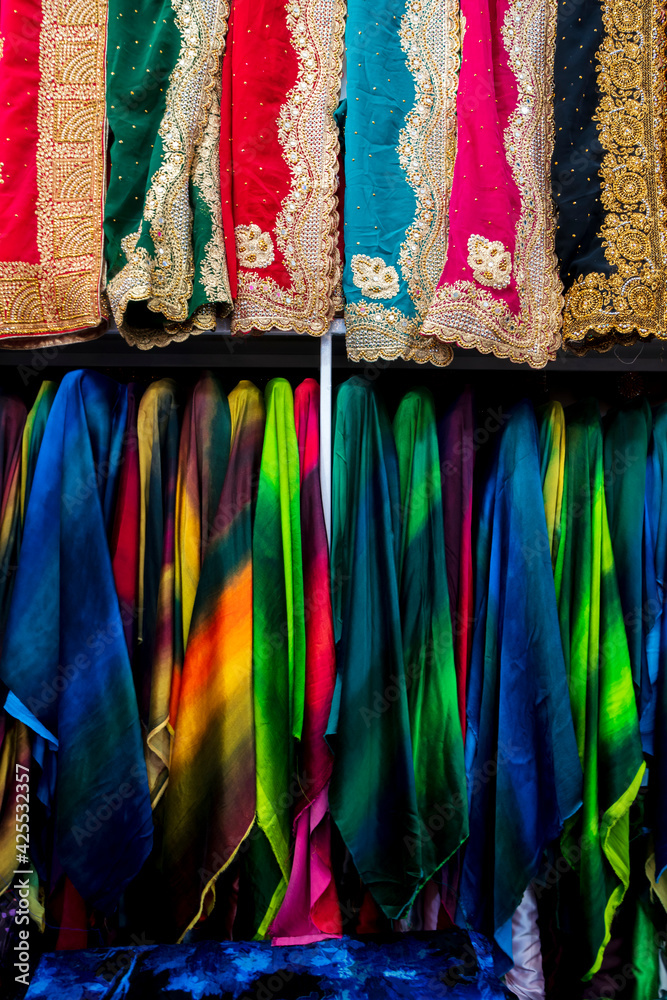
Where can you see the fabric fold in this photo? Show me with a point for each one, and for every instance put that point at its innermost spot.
(209, 804)
(310, 909)
(372, 792)
(524, 776)
(595, 841)
(428, 649)
(71, 668)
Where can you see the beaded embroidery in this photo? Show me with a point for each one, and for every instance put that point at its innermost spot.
(253, 247)
(490, 262)
(374, 277)
(630, 302)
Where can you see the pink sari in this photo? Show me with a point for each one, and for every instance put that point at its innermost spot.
(499, 290)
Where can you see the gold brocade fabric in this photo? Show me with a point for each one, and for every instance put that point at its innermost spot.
(614, 268)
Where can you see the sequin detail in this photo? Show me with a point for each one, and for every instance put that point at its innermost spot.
(629, 302)
(253, 247)
(375, 278)
(490, 262)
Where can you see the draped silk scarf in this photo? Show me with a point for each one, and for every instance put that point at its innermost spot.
(656, 503)
(278, 155)
(167, 271)
(457, 460)
(71, 669)
(52, 174)
(279, 651)
(158, 439)
(627, 434)
(125, 535)
(400, 144)
(608, 172)
(33, 433)
(595, 841)
(209, 804)
(202, 463)
(499, 290)
(428, 649)
(372, 792)
(310, 910)
(524, 777)
(12, 421)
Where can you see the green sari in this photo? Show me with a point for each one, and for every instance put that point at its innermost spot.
(166, 264)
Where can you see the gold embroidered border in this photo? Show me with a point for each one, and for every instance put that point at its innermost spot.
(165, 281)
(468, 315)
(377, 332)
(631, 302)
(52, 300)
(306, 229)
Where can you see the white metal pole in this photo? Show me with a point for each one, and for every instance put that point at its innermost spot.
(325, 428)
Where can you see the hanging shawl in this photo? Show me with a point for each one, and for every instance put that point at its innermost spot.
(499, 291)
(595, 842)
(608, 172)
(12, 420)
(157, 434)
(125, 536)
(372, 793)
(279, 653)
(656, 505)
(52, 175)
(33, 433)
(202, 462)
(73, 671)
(428, 651)
(457, 459)
(209, 805)
(626, 443)
(552, 471)
(524, 777)
(310, 910)
(163, 223)
(278, 154)
(400, 144)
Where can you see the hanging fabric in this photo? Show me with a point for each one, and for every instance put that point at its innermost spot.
(499, 290)
(457, 460)
(203, 458)
(279, 654)
(73, 673)
(209, 804)
(372, 793)
(158, 441)
(400, 144)
(595, 841)
(281, 82)
(310, 910)
(627, 433)
(52, 174)
(428, 649)
(608, 173)
(524, 777)
(167, 273)
(33, 433)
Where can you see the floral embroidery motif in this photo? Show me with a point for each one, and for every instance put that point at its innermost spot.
(253, 247)
(375, 278)
(491, 263)
(206, 180)
(307, 224)
(630, 301)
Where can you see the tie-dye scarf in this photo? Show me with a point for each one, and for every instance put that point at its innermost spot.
(158, 434)
(279, 654)
(524, 777)
(73, 670)
(372, 793)
(595, 841)
(33, 433)
(310, 910)
(209, 805)
(428, 651)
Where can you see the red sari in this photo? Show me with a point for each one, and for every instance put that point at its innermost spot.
(278, 162)
(52, 111)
